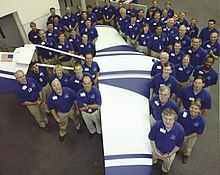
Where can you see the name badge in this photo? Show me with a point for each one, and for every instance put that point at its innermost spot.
(156, 103)
(24, 87)
(159, 67)
(172, 54)
(76, 81)
(190, 51)
(162, 130)
(184, 114)
(35, 36)
(82, 94)
(60, 47)
(130, 27)
(86, 69)
(208, 46)
(30, 89)
(81, 45)
(200, 72)
(54, 97)
(41, 74)
(89, 110)
(180, 68)
(142, 36)
(191, 98)
(49, 34)
(55, 28)
(155, 38)
(41, 79)
(160, 47)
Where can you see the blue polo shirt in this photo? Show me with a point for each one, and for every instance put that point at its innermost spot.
(157, 44)
(75, 41)
(197, 57)
(108, 12)
(123, 22)
(192, 32)
(50, 18)
(65, 79)
(47, 54)
(187, 96)
(143, 38)
(167, 140)
(66, 47)
(53, 34)
(170, 32)
(62, 103)
(98, 13)
(175, 58)
(28, 92)
(190, 126)
(82, 24)
(164, 19)
(205, 34)
(92, 17)
(211, 77)
(157, 107)
(93, 97)
(157, 9)
(170, 13)
(183, 22)
(158, 81)
(69, 22)
(91, 70)
(157, 68)
(33, 36)
(41, 77)
(183, 74)
(76, 83)
(92, 33)
(142, 21)
(58, 27)
(132, 11)
(209, 46)
(132, 30)
(185, 41)
(83, 49)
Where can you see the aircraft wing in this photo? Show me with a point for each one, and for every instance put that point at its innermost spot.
(125, 107)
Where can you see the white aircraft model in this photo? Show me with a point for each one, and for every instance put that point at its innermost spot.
(124, 112)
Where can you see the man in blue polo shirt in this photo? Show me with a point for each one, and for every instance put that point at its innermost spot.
(39, 74)
(131, 9)
(160, 102)
(108, 13)
(164, 79)
(212, 46)
(197, 54)
(91, 67)
(69, 20)
(157, 43)
(85, 46)
(167, 138)
(29, 94)
(33, 34)
(195, 92)
(193, 124)
(62, 103)
(97, 10)
(90, 31)
(206, 70)
(206, 32)
(89, 102)
(155, 22)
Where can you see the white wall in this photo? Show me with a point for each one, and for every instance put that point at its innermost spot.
(29, 10)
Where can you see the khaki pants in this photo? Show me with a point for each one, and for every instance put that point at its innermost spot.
(132, 43)
(166, 165)
(39, 114)
(90, 118)
(188, 146)
(155, 54)
(46, 91)
(64, 117)
(69, 63)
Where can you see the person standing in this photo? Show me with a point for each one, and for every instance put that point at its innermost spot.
(194, 125)
(167, 137)
(29, 94)
(62, 103)
(89, 102)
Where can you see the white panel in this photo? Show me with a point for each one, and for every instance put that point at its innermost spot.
(126, 162)
(125, 121)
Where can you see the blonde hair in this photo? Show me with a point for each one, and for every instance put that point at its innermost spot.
(169, 112)
(58, 66)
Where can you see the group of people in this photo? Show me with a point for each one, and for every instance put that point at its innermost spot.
(180, 78)
(62, 94)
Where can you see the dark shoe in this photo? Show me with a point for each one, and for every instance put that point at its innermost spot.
(91, 136)
(185, 159)
(47, 128)
(79, 131)
(61, 139)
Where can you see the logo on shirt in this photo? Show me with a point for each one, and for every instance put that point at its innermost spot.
(172, 137)
(92, 96)
(196, 124)
(66, 96)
